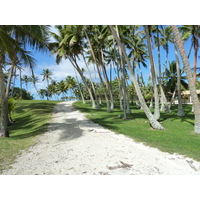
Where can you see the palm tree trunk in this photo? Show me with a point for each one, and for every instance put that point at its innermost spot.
(180, 106)
(14, 82)
(107, 82)
(79, 87)
(97, 67)
(74, 63)
(20, 75)
(104, 90)
(128, 108)
(4, 132)
(173, 97)
(156, 96)
(9, 79)
(159, 73)
(154, 123)
(120, 89)
(151, 103)
(193, 93)
(196, 46)
(95, 94)
(123, 76)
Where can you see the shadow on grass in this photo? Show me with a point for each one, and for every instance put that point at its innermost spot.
(104, 117)
(34, 106)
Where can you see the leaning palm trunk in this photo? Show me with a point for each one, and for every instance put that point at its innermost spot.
(9, 79)
(196, 47)
(173, 97)
(97, 67)
(163, 97)
(151, 103)
(94, 90)
(107, 82)
(104, 90)
(13, 87)
(180, 106)
(195, 100)
(156, 96)
(120, 89)
(154, 123)
(82, 97)
(123, 76)
(74, 63)
(4, 132)
(128, 108)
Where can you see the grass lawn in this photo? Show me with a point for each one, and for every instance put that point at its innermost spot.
(31, 119)
(178, 136)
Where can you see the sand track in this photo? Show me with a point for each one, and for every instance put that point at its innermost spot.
(74, 145)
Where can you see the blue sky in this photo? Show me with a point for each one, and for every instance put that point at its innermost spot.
(64, 69)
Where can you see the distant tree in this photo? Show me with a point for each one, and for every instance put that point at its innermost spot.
(47, 75)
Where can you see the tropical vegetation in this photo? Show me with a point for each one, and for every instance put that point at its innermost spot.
(146, 66)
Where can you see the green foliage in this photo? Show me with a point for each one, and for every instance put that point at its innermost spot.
(21, 94)
(11, 106)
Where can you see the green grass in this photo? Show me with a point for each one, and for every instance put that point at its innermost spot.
(31, 119)
(178, 136)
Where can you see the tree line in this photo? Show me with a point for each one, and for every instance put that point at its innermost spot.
(118, 54)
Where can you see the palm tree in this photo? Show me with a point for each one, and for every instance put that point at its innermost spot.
(153, 75)
(195, 100)
(68, 45)
(70, 82)
(35, 36)
(194, 31)
(26, 80)
(170, 78)
(34, 80)
(113, 58)
(154, 123)
(166, 38)
(97, 62)
(62, 88)
(8, 48)
(158, 41)
(123, 77)
(180, 106)
(13, 39)
(47, 75)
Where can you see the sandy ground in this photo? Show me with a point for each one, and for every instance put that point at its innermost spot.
(73, 145)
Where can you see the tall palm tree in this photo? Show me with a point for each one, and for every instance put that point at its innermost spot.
(47, 73)
(165, 40)
(68, 45)
(153, 75)
(8, 48)
(98, 70)
(154, 123)
(13, 40)
(36, 36)
(195, 100)
(158, 42)
(180, 106)
(192, 31)
(123, 77)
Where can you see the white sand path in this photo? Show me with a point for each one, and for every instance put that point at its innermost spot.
(73, 145)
